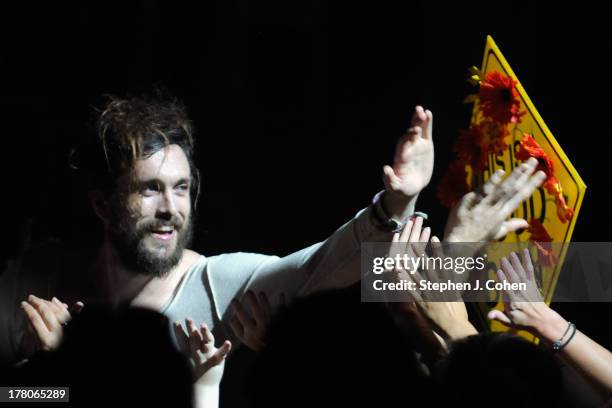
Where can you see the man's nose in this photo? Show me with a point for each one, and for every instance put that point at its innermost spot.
(167, 206)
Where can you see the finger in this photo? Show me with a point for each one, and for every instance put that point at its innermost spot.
(181, 337)
(266, 307)
(208, 340)
(524, 193)
(468, 201)
(45, 311)
(507, 188)
(255, 309)
(499, 316)
(207, 336)
(507, 297)
(396, 237)
(237, 327)
(511, 225)
(518, 267)
(428, 133)
(425, 234)
(61, 310)
(524, 176)
(509, 271)
(36, 320)
(528, 266)
(520, 176)
(491, 184)
(436, 247)
(219, 355)
(390, 179)
(76, 308)
(415, 234)
(244, 318)
(406, 231)
(419, 116)
(195, 337)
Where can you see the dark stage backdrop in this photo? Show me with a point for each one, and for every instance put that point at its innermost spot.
(297, 104)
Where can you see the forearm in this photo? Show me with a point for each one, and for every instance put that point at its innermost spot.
(593, 361)
(206, 396)
(458, 331)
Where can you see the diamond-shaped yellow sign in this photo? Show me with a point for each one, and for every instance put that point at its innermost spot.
(542, 204)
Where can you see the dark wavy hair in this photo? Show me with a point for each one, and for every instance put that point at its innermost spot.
(130, 129)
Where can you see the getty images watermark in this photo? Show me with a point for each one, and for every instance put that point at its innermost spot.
(398, 272)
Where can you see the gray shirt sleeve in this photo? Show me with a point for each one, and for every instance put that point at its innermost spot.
(333, 263)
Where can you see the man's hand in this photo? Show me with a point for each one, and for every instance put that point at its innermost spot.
(482, 216)
(412, 165)
(251, 319)
(199, 345)
(46, 319)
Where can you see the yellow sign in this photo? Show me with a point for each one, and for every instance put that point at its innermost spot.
(542, 205)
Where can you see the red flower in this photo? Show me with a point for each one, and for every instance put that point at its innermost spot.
(528, 147)
(546, 257)
(474, 145)
(542, 240)
(499, 98)
(538, 232)
(468, 148)
(563, 211)
(493, 137)
(453, 185)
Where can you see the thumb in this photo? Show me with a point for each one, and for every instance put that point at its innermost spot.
(76, 308)
(389, 178)
(512, 225)
(499, 316)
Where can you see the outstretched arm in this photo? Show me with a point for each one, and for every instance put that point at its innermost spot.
(207, 361)
(527, 311)
(335, 262)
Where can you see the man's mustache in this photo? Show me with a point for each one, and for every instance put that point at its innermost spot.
(174, 222)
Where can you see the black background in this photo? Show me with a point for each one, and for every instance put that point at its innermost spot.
(297, 104)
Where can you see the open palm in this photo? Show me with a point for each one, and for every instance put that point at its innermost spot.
(414, 157)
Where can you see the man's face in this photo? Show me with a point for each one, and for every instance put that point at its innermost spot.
(150, 223)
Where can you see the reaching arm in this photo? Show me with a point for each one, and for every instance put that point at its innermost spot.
(208, 362)
(527, 311)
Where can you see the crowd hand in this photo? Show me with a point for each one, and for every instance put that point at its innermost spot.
(199, 345)
(482, 215)
(448, 318)
(524, 310)
(414, 157)
(46, 322)
(251, 319)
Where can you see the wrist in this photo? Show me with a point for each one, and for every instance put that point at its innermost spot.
(460, 330)
(397, 205)
(551, 326)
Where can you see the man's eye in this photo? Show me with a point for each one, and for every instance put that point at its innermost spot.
(149, 190)
(183, 187)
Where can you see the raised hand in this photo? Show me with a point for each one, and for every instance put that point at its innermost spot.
(199, 345)
(251, 319)
(414, 157)
(46, 322)
(482, 216)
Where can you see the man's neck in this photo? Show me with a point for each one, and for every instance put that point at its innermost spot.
(123, 286)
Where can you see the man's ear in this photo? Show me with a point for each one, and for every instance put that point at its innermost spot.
(99, 203)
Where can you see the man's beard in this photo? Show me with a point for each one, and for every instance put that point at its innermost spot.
(128, 238)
